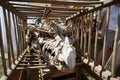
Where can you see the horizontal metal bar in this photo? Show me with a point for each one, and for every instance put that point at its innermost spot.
(61, 2)
(11, 9)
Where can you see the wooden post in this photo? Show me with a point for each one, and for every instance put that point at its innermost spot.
(96, 35)
(105, 36)
(2, 52)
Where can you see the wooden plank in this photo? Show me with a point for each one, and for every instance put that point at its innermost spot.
(2, 52)
(10, 8)
(61, 2)
(33, 67)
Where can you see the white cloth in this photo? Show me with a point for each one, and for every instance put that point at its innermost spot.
(114, 10)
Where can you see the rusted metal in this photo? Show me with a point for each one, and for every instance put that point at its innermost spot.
(85, 33)
(11, 42)
(96, 35)
(10, 8)
(8, 37)
(89, 36)
(81, 37)
(18, 49)
(15, 32)
(63, 2)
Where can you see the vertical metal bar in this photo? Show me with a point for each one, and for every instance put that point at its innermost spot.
(11, 43)
(105, 36)
(81, 37)
(2, 52)
(19, 48)
(8, 37)
(115, 47)
(25, 25)
(96, 35)
(90, 27)
(15, 31)
(78, 34)
(8, 34)
(21, 34)
(19, 38)
(85, 35)
(18, 53)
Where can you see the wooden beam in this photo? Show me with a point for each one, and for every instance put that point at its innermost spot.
(11, 9)
(61, 2)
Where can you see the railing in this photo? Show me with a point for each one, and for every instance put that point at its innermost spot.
(84, 41)
(12, 35)
(84, 21)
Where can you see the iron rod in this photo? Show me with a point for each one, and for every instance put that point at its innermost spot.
(90, 28)
(11, 42)
(96, 36)
(81, 37)
(7, 24)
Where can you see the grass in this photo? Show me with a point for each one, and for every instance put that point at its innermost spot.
(1, 67)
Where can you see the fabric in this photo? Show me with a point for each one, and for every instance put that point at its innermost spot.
(113, 17)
